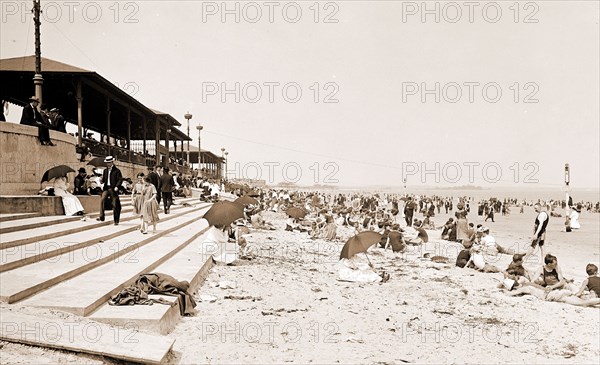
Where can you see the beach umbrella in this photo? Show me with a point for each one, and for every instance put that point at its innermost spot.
(57, 171)
(224, 213)
(296, 212)
(246, 200)
(97, 162)
(359, 243)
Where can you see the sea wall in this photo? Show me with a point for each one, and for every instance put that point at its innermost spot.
(23, 160)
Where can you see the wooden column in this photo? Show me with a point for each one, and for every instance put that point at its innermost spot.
(108, 124)
(144, 142)
(129, 132)
(157, 140)
(79, 98)
(167, 143)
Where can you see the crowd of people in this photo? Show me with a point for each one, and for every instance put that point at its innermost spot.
(325, 213)
(395, 217)
(158, 184)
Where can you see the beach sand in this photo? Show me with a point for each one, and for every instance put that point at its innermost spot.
(288, 306)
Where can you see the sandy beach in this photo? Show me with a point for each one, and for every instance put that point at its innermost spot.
(287, 306)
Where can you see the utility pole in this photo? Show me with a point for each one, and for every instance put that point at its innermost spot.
(38, 80)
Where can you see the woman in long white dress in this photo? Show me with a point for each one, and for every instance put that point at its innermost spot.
(71, 204)
(216, 243)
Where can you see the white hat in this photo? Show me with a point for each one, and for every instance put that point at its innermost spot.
(109, 159)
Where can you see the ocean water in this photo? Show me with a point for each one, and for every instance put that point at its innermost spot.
(528, 194)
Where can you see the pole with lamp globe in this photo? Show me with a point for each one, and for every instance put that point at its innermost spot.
(188, 116)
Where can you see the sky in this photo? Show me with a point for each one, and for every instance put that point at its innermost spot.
(352, 92)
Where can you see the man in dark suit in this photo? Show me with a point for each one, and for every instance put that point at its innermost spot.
(409, 210)
(155, 178)
(112, 179)
(31, 116)
(167, 184)
(58, 122)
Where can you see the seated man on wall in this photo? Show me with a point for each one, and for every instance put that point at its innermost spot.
(33, 117)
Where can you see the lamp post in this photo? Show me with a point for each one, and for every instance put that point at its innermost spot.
(188, 116)
(222, 159)
(199, 128)
(167, 143)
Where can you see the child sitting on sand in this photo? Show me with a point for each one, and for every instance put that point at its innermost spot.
(428, 223)
(478, 260)
(592, 283)
(516, 271)
(464, 257)
(550, 275)
(422, 236)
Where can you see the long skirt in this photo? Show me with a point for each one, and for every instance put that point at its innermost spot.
(137, 202)
(462, 228)
(150, 211)
(71, 204)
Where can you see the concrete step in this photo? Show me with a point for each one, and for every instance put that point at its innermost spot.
(18, 256)
(12, 239)
(25, 281)
(108, 279)
(190, 265)
(119, 343)
(6, 217)
(50, 220)
(35, 222)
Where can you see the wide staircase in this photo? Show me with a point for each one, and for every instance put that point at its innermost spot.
(74, 265)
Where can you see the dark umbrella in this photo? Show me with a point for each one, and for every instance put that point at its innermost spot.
(253, 193)
(246, 200)
(97, 162)
(223, 213)
(404, 199)
(57, 171)
(296, 213)
(359, 243)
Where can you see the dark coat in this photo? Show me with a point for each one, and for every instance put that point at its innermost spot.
(116, 178)
(59, 124)
(31, 116)
(80, 186)
(167, 183)
(155, 179)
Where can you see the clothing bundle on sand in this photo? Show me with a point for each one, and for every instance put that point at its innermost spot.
(156, 283)
(356, 269)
